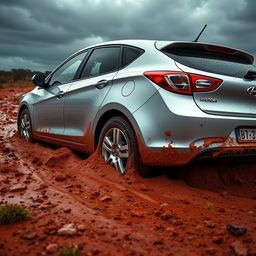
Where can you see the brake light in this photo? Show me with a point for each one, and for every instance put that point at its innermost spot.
(204, 83)
(184, 83)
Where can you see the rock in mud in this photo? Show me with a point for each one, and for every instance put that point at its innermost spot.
(239, 249)
(52, 248)
(68, 230)
(81, 227)
(209, 224)
(236, 230)
(164, 205)
(68, 210)
(137, 214)
(60, 177)
(218, 239)
(166, 216)
(28, 234)
(58, 156)
(106, 198)
(11, 154)
(17, 188)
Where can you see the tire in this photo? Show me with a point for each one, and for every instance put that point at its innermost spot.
(25, 125)
(118, 147)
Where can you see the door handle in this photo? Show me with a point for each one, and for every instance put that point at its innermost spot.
(60, 94)
(101, 84)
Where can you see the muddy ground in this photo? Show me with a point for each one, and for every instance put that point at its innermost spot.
(115, 215)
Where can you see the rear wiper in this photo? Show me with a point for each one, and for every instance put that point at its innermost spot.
(250, 75)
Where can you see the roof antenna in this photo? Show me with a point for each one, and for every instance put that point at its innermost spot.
(200, 33)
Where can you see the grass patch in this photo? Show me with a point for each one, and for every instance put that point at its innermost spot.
(13, 213)
(69, 251)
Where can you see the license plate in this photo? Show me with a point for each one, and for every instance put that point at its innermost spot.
(247, 134)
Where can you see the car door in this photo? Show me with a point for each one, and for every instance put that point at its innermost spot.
(49, 106)
(84, 97)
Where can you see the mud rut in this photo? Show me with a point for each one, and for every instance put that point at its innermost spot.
(122, 215)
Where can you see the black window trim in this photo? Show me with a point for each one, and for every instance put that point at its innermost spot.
(132, 47)
(90, 50)
(120, 67)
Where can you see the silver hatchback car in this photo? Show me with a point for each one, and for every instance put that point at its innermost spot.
(146, 103)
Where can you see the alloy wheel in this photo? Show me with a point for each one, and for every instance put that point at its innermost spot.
(25, 126)
(115, 149)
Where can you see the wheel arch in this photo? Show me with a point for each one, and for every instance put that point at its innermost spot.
(21, 108)
(111, 113)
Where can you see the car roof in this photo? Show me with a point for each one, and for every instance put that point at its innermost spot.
(161, 44)
(132, 42)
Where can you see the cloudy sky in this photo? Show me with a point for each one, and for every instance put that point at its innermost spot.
(39, 34)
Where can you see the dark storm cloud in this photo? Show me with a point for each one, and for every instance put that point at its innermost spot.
(39, 34)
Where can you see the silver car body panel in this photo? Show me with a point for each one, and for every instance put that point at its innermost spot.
(171, 128)
(231, 98)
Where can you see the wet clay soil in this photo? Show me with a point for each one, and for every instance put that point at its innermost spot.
(117, 215)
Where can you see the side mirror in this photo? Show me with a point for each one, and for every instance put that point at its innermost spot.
(39, 80)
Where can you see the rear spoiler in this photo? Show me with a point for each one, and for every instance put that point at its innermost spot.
(180, 46)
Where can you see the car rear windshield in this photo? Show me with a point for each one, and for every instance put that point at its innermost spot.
(210, 61)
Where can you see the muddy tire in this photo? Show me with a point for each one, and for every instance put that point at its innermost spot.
(118, 147)
(25, 126)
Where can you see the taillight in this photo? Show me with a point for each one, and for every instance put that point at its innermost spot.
(185, 83)
(204, 83)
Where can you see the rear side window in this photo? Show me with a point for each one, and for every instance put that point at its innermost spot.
(101, 61)
(210, 61)
(129, 55)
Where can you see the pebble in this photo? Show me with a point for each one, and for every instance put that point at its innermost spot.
(81, 227)
(166, 216)
(209, 224)
(236, 230)
(34, 205)
(60, 177)
(106, 198)
(28, 234)
(218, 239)
(68, 230)
(68, 210)
(17, 188)
(52, 248)
(137, 214)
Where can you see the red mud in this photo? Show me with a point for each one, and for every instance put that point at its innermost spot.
(120, 215)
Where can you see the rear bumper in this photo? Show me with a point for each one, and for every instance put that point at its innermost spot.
(172, 130)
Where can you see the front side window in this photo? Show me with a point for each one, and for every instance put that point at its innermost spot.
(66, 73)
(101, 61)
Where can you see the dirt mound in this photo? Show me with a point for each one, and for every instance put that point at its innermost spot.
(60, 157)
(236, 176)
